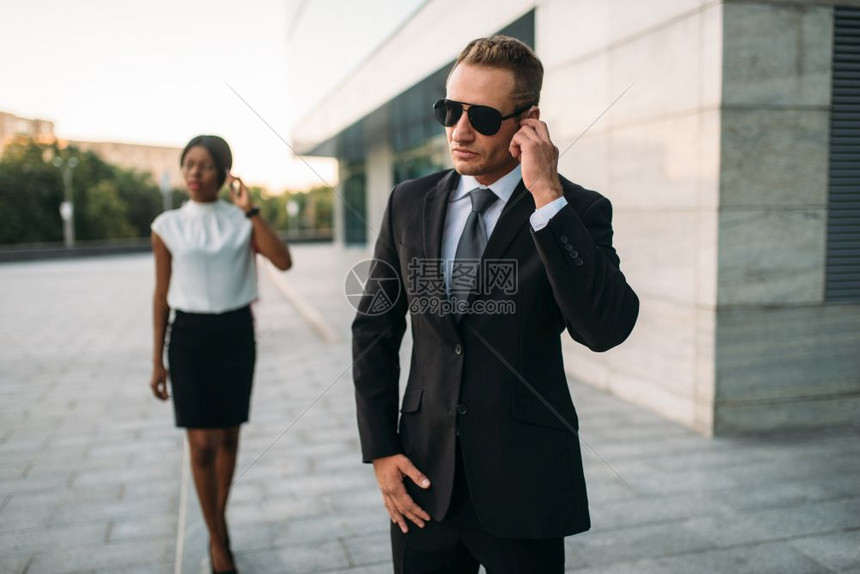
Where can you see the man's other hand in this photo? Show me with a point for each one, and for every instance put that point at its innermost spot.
(390, 472)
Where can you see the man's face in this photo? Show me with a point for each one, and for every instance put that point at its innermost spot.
(485, 157)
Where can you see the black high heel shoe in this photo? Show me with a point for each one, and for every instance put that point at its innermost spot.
(212, 563)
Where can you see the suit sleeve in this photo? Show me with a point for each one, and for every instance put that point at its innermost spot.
(599, 307)
(377, 332)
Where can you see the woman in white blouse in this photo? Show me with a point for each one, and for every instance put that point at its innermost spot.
(205, 272)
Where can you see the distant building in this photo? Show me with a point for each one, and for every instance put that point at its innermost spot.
(12, 126)
(160, 161)
(731, 162)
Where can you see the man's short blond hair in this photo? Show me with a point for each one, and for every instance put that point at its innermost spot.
(510, 54)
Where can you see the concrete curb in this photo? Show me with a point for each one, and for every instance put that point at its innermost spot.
(306, 309)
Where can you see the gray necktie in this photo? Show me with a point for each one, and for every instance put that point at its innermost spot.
(471, 247)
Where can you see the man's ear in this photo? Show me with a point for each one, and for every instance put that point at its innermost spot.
(533, 113)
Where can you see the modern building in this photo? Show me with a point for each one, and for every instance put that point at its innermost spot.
(725, 133)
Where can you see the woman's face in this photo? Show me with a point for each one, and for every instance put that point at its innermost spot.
(201, 174)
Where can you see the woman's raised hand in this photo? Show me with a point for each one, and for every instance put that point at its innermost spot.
(239, 194)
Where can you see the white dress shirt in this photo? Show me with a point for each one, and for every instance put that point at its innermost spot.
(212, 261)
(460, 206)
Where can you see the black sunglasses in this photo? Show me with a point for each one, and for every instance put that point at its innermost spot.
(484, 119)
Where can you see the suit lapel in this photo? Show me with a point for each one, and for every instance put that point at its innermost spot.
(435, 210)
(514, 216)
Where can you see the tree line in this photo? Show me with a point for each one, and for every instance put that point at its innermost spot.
(112, 202)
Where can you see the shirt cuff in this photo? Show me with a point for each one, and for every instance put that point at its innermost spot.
(541, 216)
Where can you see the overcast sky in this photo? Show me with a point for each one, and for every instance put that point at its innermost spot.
(154, 71)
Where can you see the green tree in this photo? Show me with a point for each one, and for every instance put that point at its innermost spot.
(106, 213)
(321, 213)
(113, 202)
(316, 209)
(30, 194)
(142, 198)
(110, 201)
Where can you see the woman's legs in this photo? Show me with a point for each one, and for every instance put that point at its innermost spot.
(213, 457)
(225, 465)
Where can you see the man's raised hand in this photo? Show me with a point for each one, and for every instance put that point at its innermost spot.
(538, 157)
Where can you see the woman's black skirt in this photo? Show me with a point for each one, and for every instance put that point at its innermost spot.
(211, 359)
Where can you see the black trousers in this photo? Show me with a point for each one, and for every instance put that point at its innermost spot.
(459, 544)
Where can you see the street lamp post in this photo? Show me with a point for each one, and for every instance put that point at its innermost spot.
(167, 200)
(293, 208)
(67, 207)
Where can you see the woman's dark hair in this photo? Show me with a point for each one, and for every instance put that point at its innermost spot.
(218, 149)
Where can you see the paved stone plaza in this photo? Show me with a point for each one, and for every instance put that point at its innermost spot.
(93, 475)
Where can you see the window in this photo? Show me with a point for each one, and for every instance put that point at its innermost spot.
(842, 284)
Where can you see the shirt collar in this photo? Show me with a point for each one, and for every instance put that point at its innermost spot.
(503, 187)
(192, 206)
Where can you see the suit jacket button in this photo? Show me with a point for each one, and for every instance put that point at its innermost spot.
(461, 409)
(562, 238)
(569, 247)
(579, 262)
(574, 253)
(458, 349)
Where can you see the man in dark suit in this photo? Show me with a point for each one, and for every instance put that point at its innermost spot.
(492, 260)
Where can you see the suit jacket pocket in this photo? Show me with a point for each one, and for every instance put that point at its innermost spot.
(534, 411)
(412, 399)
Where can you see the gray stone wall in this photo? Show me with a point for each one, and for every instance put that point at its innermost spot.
(783, 357)
(655, 155)
(705, 122)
